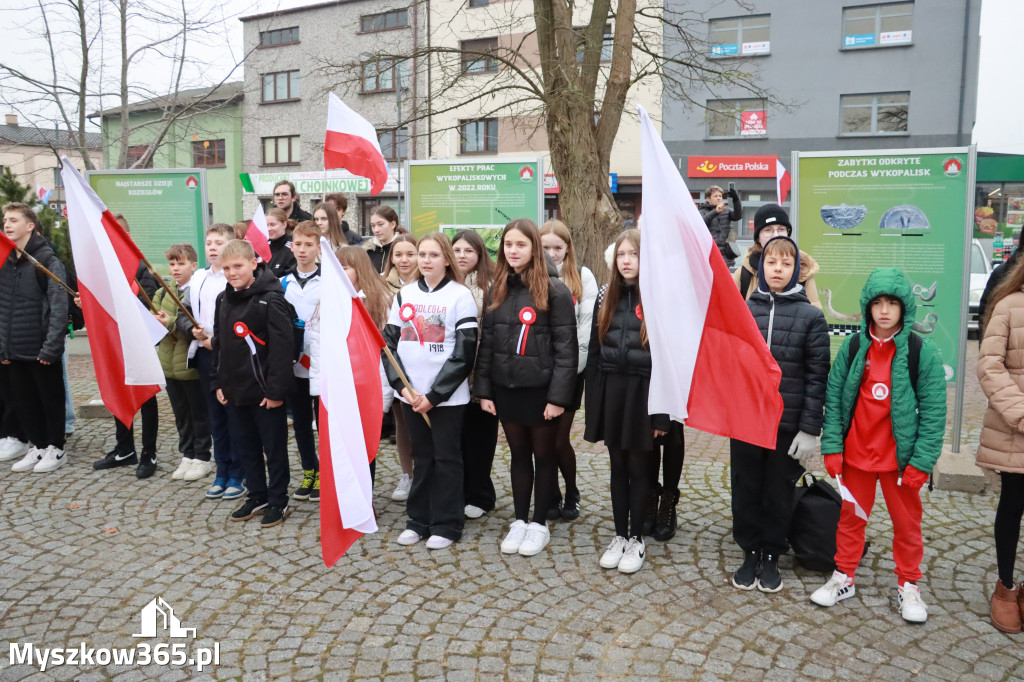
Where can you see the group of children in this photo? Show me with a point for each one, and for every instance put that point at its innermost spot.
(479, 342)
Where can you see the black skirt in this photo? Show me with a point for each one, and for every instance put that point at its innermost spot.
(577, 397)
(617, 411)
(521, 405)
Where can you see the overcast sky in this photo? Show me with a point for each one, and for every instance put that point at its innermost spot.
(999, 123)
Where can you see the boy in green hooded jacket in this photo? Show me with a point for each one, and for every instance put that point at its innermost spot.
(883, 425)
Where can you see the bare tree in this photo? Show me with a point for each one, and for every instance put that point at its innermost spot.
(565, 77)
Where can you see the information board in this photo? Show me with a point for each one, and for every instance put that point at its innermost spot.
(901, 208)
(162, 207)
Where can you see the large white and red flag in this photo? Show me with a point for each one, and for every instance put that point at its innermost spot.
(710, 365)
(351, 410)
(258, 234)
(120, 328)
(351, 143)
(783, 180)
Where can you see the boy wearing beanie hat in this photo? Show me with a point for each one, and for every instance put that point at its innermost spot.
(771, 220)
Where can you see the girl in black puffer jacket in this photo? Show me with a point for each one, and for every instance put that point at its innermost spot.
(618, 383)
(526, 373)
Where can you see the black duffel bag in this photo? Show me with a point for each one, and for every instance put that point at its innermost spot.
(812, 526)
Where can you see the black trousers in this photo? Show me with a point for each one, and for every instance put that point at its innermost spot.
(36, 392)
(190, 418)
(228, 465)
(762, 494)
(9, 425)
(630, 484)
(305, 408)
(1007, 525)
(257, 432)
(435, 505)
(150, 423)
(479, 440)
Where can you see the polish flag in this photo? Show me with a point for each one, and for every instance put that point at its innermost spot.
(7, 245)
(351, 410)
(783, 180)
(120, 339)
(258, 234)
(710, 365)
(351, 143)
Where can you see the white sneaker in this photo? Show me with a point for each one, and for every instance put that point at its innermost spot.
(613, 555)
(198, 469)
(838, 588)
(53, 458)
(438, 542)
(408, 537)
(29, 461)
(182, 469)
(401, 493)
(12, 448)
(912, 607)
(633, 556)
(515, 537)
(537, 538)
(473, 512)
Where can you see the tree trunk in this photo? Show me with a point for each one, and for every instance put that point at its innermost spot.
(83, 148)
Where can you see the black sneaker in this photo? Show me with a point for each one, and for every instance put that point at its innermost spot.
(651, 516)
(746, 577)
(147, 465)
(273, 516)
(571, 506)
(768, 578)
(115, 459)
(314, 492)
(555, 512)
(248, 510)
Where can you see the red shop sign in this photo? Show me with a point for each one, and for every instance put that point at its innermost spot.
(731, 166)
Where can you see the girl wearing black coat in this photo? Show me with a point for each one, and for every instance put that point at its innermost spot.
(526, 374)
(618, 383)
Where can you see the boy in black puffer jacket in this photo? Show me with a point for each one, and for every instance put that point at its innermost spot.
(762, 491)
(252, 376)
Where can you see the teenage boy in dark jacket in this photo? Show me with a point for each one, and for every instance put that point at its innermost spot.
(719, 219)
(762, 489)
(252, 376)
(33, 320)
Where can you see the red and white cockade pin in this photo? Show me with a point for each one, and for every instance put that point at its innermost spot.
(639, 312)
(527, 316)
(407, 313)
(242, 331)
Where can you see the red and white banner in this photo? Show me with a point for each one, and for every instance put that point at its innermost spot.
(258, 234)
(753, 123)
(127, 368)
(7, 245)
(351, 143)
(351, 410)
(783, 181)
(710, 364)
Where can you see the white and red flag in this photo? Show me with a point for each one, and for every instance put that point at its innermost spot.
(351, 410)
(258, 234)
(710, 365)
(351, 143)
(783, 181)
(120, 328)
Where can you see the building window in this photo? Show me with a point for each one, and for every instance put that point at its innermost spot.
(607, 43)
(281, 86)
(136, 152)
(884, 113)
(737, 118)
(478, 136)
(476, 55)
(279, 36)
(740, 36)
(207, 153)
(394, 144)
(877, 25)
(379, 75)
(479, 3)
(279, 151)
(385, 21)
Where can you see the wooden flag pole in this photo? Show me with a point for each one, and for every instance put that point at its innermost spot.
(146, 298)
(170, 292)
(405, 380)
(49, 274)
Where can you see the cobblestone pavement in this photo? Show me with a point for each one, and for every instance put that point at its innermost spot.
(84, 551)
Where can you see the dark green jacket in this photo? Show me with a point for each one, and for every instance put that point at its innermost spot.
(173, 348)
(918, 421)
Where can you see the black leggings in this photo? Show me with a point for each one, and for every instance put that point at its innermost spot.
(566, 453)
(529, 445)
(1008, 517)
(630, 483)
(671, 448)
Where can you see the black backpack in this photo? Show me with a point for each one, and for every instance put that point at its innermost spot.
(298, 326)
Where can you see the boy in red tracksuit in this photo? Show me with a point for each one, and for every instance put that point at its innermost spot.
(885, 417)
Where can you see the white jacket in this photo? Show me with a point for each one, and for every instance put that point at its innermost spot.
(584, 314)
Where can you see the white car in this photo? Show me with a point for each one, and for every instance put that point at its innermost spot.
(981, 269)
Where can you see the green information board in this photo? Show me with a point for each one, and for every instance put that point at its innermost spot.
(162, 207)
(908, 209)
(483, 195)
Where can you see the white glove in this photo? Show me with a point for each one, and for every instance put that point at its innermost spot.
(804, 447)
